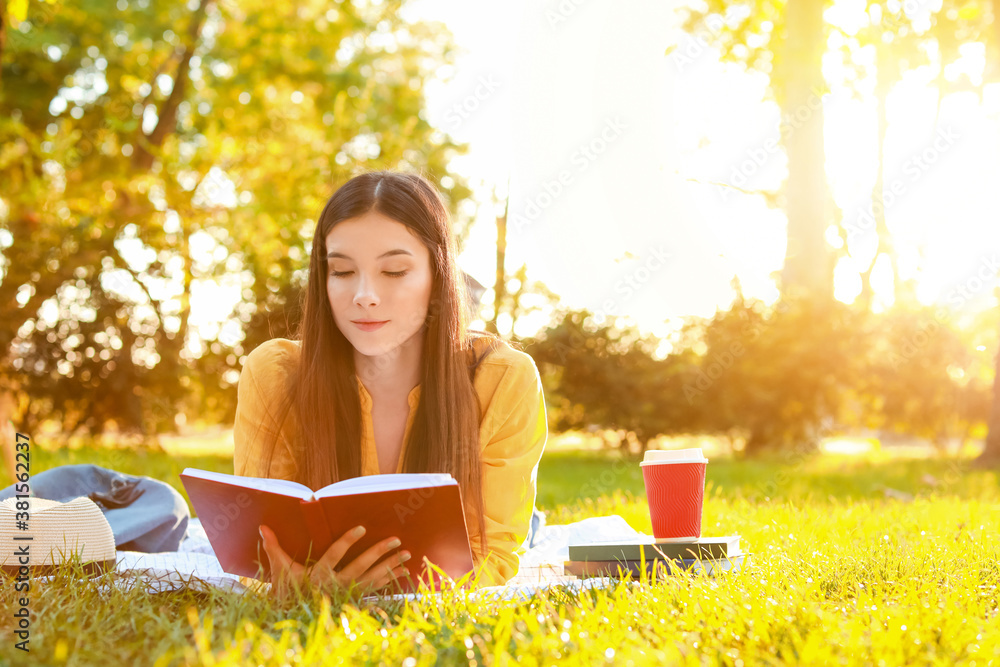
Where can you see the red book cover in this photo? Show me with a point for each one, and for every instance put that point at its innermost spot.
(423, 510)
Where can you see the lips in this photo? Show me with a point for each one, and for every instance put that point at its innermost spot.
(369, 325)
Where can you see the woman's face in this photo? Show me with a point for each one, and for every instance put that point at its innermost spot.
(378, 282)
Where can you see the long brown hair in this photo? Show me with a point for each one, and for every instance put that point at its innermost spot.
(445, 432)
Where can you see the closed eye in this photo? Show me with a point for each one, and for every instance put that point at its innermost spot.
(391, 274)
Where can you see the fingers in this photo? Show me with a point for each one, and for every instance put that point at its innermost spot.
(360, 565)
(390, 575)
(276, 556)
(331, 558)
(285, 572)
(361, 571)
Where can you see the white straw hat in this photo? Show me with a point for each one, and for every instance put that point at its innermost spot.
(51, 533)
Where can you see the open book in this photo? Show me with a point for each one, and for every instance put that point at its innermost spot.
(423, 510)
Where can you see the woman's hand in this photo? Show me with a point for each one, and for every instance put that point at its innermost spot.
(286, 574)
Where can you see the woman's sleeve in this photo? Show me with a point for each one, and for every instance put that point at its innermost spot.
(517, 430)
(255, 427)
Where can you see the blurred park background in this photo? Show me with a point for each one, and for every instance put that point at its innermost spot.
(763, 227)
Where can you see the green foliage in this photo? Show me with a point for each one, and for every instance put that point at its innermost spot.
(773, 378)
(151, 149)
(606, 376)
(754, 34)
(922, 379)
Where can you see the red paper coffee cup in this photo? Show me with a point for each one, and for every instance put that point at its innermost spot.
(675, 492)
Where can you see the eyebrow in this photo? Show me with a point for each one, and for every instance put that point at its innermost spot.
(390, 253)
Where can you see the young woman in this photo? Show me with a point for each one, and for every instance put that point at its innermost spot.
(385, 378)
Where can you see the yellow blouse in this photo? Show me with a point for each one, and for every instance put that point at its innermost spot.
(512, 435)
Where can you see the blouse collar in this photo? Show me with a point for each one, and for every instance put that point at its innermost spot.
(412, 399)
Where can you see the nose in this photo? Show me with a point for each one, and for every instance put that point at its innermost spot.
(365, 295)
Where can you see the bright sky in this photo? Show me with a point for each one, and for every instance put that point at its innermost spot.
(624, 162)
(584, 90)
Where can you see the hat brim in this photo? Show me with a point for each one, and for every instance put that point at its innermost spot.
(92, 568)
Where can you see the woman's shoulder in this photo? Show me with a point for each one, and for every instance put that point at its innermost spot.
(501, 362)
(272, 359)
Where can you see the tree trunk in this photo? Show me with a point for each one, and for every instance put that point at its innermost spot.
(993, 62)
(759, 441)
(500, 283)
(990, 458)
(808, 268)
(884, 245)
(3, 37)
(167, 113)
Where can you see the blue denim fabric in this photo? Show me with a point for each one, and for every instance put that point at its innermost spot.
(152, 517)
(537, 521)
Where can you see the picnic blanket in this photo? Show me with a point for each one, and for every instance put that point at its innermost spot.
(195, 566)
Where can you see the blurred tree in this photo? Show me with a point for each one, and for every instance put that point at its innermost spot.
(786, 41)
(514, 295)
(902, 39)
(990, 457)
(922, 379)
(524, 296)
(778, 377)
(783, 377)
(500, 281)
(607, 377)
(153, 156)
(897, 48)
(991, 453)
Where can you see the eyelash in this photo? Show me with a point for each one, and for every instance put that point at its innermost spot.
(391, 274)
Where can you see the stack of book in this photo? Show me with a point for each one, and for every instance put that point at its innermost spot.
(657, 558)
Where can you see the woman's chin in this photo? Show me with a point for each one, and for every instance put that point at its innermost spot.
(372, 348)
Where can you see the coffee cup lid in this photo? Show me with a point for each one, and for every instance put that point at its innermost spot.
(691, 455)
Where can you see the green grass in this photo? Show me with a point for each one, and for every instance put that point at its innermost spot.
(842, 571)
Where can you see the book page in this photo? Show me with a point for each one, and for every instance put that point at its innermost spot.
(388, 482)
(282, 487)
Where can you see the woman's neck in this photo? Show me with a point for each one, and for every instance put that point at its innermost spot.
(397, 371)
